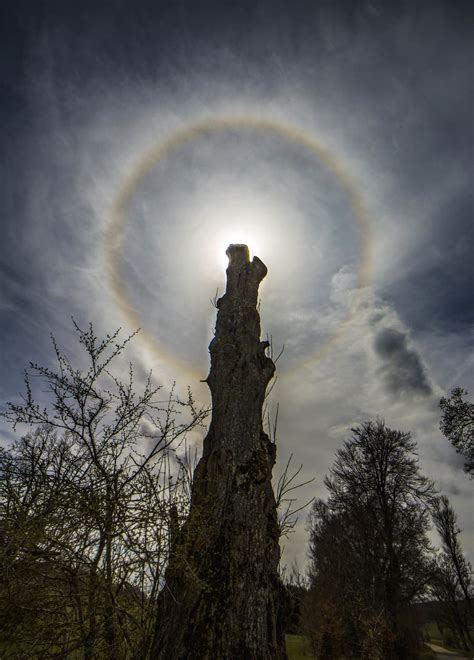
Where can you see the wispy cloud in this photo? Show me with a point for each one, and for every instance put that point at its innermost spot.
(382, 87)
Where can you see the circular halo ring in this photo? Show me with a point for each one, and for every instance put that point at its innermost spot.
(118, 218)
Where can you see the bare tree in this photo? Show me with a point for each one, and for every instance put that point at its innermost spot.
(452, 584)
(87, 500)
(287, 503)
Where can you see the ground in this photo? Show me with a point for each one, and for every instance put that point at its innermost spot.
(298, 649)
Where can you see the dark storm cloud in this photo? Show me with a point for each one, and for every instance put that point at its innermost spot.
(149, 39)
(436, 292)
(402, 370)
(26, 319)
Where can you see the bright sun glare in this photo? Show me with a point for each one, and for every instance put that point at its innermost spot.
(249, 225)
(236, 237)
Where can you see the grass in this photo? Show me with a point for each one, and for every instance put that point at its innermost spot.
(433, 634)
(297, 648)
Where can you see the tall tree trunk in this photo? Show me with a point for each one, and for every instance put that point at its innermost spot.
(223, 596)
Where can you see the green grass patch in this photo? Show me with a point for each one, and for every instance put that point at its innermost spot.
(297, 648)
(431, 631)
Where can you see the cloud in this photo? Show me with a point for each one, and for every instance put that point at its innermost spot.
(402, 370)
(391, 105)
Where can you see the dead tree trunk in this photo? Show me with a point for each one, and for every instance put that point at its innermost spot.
(223, 596)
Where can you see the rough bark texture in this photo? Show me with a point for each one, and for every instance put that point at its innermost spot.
(223, 596)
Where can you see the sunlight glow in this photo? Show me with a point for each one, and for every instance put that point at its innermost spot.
(247, 233)
(236, 216)
(221, 212)
(237, 237)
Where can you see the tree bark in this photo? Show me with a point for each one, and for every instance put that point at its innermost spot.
(223, 595)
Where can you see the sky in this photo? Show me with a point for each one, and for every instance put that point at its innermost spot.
(335, 138)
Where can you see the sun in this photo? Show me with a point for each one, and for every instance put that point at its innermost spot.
(236, 212)
(237, 237)
(241, 219)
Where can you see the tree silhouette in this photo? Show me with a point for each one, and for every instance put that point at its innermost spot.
(223, 597)
(457, 424)
(369, 549)
(86, 502)
(452, 584)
